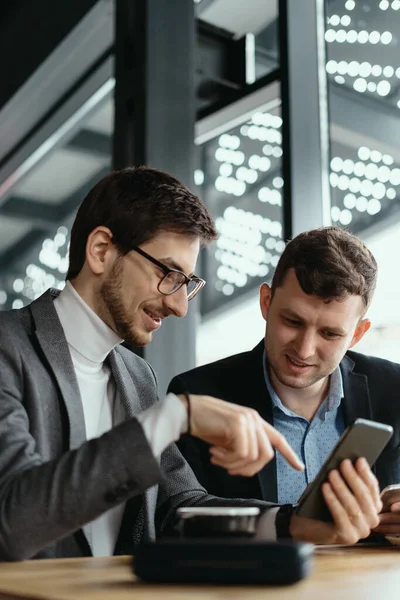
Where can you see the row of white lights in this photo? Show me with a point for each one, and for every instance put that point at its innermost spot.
(361, 71)
(269, 196)
(383, 88)
(385, 4)
(378, 168)
(361, 37)
(252, 255)
(263, 127)
(361, 85)
(345, 216)
(365, 187)
(362, 204)
(370, 171)
(364, 69)
(237, 187)
(240, 248)
(263, 134)
(265, 225)
(335, 20)
(267, 120)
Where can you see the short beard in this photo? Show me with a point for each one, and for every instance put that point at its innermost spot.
(111, 296)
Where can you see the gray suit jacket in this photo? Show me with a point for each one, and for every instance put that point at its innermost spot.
(53, 481)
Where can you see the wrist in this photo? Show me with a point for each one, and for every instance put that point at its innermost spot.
(186, 401)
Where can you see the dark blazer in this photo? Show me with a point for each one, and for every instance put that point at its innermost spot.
(371, 391)
(53, 481)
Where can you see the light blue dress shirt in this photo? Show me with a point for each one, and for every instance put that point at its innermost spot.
(312, 441)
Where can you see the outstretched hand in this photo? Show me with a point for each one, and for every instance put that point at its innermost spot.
(241, 441)
(352, 496)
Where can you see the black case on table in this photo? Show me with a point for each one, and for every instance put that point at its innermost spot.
(222, 561)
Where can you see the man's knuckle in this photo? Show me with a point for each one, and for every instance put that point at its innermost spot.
(267, 453)
(241, 419)
(254, 414)
(364, 531)
(352, 538)
(374, 521)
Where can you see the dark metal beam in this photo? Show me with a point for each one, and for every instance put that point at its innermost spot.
(220, 75)
(57, 128)
(43, 218)
(154, 125)
(48, 51)
(220, 67)
(91, 142)
(305, 129)
(202, 6)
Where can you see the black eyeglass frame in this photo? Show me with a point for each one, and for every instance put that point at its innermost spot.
(200, 283)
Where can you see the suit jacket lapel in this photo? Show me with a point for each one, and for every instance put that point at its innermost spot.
(51, 338)
(125, 385)
(260, 400)
(136, 509)
(356, 401)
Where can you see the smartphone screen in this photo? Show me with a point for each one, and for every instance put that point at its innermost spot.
(362, 438)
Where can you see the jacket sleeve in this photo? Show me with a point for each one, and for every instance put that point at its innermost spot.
(183, 481)
(195, 451)
(179, 487)
(42, 502)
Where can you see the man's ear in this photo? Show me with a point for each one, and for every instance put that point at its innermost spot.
(98, 248)
(361, 329)
(265, 299)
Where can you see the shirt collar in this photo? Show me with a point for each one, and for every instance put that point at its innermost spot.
(83, 328)
(334, 398)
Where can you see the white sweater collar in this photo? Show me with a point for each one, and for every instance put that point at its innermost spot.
(84, 330)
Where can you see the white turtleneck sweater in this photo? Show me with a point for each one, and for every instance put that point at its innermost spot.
(90, 341)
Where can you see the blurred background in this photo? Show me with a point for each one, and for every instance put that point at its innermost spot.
(283, 115)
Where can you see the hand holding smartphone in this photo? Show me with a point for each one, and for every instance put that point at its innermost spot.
(389, 496)
(362, 438)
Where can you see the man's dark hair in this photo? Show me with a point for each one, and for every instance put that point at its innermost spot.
(136, 204)
(330, 263)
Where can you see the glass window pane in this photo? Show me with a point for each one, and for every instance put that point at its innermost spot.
(39, 210)
(242, 187)
(363, 66)
(256, 19)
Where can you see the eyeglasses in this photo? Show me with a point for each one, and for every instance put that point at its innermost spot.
(173, 279)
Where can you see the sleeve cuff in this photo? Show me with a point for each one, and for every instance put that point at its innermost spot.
(164, 423)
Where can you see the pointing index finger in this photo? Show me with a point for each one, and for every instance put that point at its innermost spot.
(279, 443)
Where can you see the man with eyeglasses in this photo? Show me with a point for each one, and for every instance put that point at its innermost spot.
(87, 463)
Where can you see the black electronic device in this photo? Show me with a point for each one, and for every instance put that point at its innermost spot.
(362, 438)
(222, 561)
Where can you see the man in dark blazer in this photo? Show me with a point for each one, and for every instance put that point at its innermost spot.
(86, 460)
(302, 377)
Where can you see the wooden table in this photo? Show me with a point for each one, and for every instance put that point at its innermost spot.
(339, 573)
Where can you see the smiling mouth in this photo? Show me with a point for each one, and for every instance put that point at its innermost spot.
(297, 363)
(157, 320)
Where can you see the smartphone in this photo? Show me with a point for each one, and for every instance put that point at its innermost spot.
(362, 438)
(389, 495)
